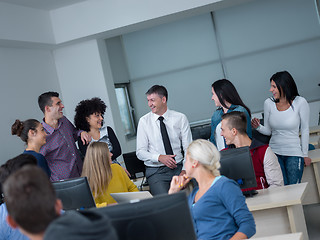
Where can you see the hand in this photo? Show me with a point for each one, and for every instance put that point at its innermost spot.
(183, 172)
(255, 122)
(168, 160)
(178, 183)
(307, 161)
(85, 138)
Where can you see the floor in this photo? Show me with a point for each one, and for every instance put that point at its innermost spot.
(312, 216)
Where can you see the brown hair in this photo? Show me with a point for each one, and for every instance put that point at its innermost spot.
(237, 120)
(96, 167)
(21, 129)
(30, 199)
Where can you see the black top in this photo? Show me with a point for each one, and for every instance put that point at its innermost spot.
(116, 151)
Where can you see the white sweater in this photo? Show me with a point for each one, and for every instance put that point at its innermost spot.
(284, 127)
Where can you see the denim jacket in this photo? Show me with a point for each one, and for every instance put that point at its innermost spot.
(216, 119)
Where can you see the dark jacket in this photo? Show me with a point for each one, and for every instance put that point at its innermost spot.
(77, 225)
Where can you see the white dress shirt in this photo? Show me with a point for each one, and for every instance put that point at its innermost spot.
(149, 140)
(284, 127)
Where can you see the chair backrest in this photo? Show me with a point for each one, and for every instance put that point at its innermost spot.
(75, 193)
(259, 136)
(134, 166)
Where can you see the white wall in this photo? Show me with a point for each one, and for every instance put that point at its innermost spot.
(111, 18)
(264, 37)
(25, 24)
(25, 74)
(314, 113)
(81, 76)
(84, 72)
(256, 40)
(182, 56)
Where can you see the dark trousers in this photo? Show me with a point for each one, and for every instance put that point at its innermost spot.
(159, 178)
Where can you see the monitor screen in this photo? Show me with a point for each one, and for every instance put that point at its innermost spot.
(202, 131)
(158, 218)
(75, 193)
(236, 164)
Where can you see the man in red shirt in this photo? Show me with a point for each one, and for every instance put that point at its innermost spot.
(265, 162)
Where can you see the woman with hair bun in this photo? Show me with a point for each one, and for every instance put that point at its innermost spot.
(218, 207)
(32, 133)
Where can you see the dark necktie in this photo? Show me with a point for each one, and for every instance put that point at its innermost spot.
(165, 137)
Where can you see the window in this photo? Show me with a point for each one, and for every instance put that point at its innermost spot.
(126, 110)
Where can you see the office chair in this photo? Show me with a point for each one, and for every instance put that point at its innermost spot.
(135, 167)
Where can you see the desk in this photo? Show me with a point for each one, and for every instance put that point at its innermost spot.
(292, 236)
(314, 140)
(279, 210)
(311, 174)
(314, 130)
(138, 183)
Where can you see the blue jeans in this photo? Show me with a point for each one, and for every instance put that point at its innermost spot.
(292, 168)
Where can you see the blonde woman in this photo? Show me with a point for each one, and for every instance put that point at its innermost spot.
(217, 206)
(103, 176)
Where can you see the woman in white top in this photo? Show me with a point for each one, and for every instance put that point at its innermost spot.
(285, 115)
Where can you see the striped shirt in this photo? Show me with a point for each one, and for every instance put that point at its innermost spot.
(60, 150)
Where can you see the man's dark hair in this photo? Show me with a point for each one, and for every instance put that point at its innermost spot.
(237, 120)
(45, 99)
(286, 86)
(13, 165)
(30, 199)
(158, 89)
(84, 109)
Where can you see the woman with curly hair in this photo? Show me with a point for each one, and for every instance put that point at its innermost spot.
(89, 117)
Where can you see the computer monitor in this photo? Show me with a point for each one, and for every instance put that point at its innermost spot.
(75, 193)
(236, 164)
(134, 166)
(201, 131)
(158, 218)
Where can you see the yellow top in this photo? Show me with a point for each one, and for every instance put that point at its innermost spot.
(120, 182)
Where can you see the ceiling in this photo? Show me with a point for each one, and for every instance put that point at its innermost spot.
(43, 4)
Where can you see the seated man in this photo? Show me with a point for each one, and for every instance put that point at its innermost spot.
(6, 232)
(265, 162)
(32, 206)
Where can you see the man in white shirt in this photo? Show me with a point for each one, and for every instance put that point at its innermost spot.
(265, 162)
(163, 158)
